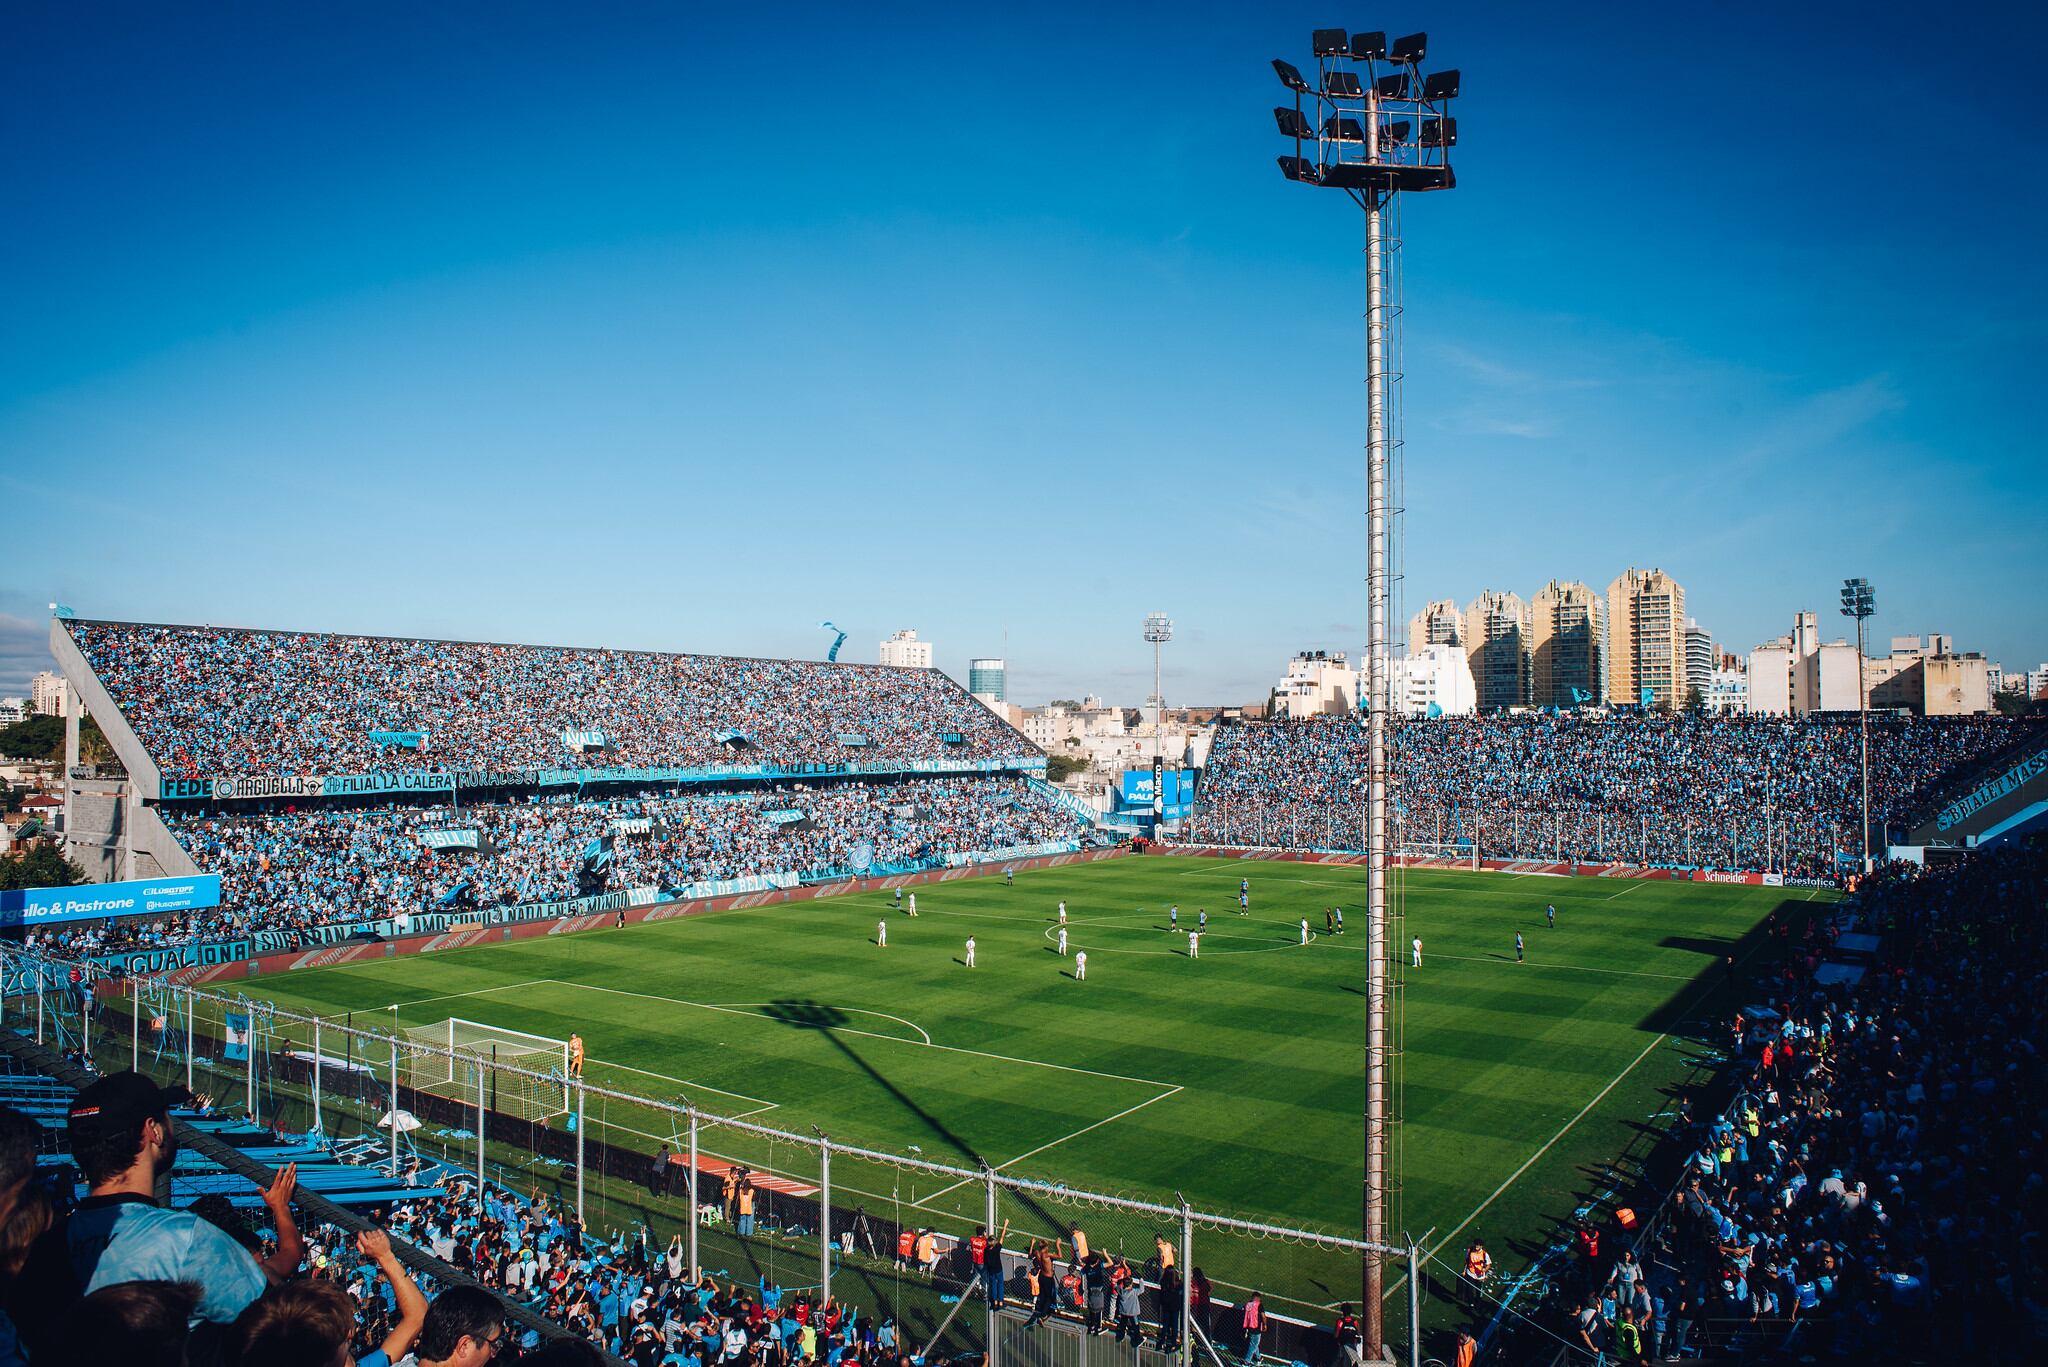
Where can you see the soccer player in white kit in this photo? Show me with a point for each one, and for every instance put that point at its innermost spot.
(882, 934)
(1063, 939)
(1194, 945)
(1081, 966)
(1418, 951)
(913, 904)
(970, 951)
(1063, 913)
(1304, 930)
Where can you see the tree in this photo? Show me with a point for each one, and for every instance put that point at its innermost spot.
(34, 738)
(41, 865)
(93, 746)
(1694, 699)
(1059, 768)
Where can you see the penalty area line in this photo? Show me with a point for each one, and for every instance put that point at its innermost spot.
(1172, 1090)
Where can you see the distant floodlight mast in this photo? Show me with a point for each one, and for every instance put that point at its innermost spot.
(1158, 630)
(1859, 600)
(1379, 127)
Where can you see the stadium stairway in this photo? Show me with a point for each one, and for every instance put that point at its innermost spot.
(2001, 802)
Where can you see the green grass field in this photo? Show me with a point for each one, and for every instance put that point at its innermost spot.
(1235, 1079)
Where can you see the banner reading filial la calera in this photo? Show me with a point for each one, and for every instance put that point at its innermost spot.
(91, 901)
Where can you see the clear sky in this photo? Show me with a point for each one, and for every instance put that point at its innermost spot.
(688, 326)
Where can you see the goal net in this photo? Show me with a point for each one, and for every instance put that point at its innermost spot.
(1462, 853)
(457, 1054)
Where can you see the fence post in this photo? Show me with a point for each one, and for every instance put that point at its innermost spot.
(190, 993)
(1187, 1275)
(134, 1025)
(393, 1117)
(691, 1111)
(39, 1004)
(317, 1129)
(579, 1152)
(1414, 1306)
(824, 1219)
(480, 1135)
(987, 1273)
(249, 1050)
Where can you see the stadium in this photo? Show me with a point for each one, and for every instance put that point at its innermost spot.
(385, 982)
(747, 891)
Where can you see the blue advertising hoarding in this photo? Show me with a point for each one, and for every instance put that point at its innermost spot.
(91, 901)
(1135, 793)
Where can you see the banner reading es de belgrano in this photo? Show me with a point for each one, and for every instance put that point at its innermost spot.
(90, 901)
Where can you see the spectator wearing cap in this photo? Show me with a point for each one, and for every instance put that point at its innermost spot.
(124, 1140)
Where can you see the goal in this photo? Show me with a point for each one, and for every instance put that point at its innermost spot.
(455, 1051)
(1463, 853)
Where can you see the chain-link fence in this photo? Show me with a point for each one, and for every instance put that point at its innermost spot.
(963, 1260)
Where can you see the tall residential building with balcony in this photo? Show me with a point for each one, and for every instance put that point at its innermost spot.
(1646, 639)
(1566, 637)
(1700, 659)
(1439, 624)
(904, 650)
(1497, 646)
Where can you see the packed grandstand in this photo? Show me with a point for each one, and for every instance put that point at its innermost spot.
(1838, 1195)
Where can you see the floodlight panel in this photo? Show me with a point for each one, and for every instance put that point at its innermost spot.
(1440, 132)
(1337, 129)
(1342, 85)
(1394, 134)
(1290, 76)
(1393, 87)
(1411, 49)
(1331, 42)
(1369, 47)
(1441, 85)
(1299, 168)
(1292, 124)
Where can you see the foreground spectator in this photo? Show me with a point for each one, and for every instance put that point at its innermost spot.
(311, 1323)
(464, 1327)
(134, 1324)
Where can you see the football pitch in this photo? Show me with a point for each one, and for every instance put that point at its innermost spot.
(1235, 1079)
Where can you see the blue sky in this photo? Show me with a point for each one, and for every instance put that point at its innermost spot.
(670, 326)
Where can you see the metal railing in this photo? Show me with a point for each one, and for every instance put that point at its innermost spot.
(887, 1228)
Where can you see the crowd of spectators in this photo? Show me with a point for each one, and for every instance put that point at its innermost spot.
(1874, 1191)
(1685, 790)
(217, 702)
(296, 869)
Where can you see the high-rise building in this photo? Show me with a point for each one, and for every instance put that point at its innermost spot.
(46, 693)
(1646, 639)
(1438, 624)
(1497, 646)
(986, 679)
(905, 650)
(1699, 660)
(1318, 683)
(1433, 680)
(1565, 640)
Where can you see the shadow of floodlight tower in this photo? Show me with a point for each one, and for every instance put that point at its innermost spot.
(1374, 126)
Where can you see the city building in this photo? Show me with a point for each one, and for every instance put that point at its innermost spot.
(987, 680)
(12, 710)
(1931, 678)
(905, 650)
(1700, 658)
(1318, 683)
(1727, 688)
(1497, 648)
(1565, 640)
(1434, 680)
(2037, 682)
(46, 694)
(1994, 676)
(1439, 624)
(1646, 640)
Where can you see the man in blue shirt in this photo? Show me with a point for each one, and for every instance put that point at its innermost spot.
(123, 1137)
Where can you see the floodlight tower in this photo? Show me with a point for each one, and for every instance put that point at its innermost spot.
(1859, 600)
(1158, 630)
(1380, 127)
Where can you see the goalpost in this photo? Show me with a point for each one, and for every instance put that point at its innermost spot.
(471, 1046)
(1438, 852)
